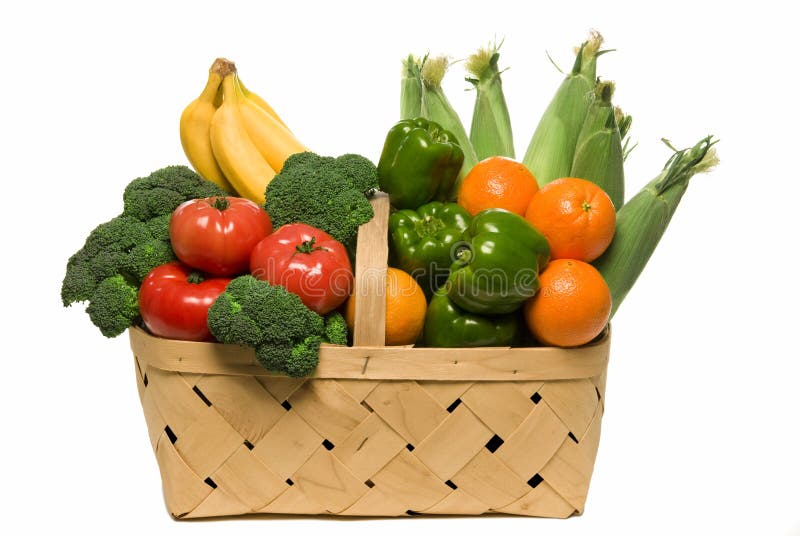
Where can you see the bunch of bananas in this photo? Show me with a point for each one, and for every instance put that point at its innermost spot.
(232, 137)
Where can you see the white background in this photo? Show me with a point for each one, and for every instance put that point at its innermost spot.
(701, 427)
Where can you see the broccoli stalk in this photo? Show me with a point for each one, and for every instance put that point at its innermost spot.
(108, 269)
(285, 334)
(325, 192)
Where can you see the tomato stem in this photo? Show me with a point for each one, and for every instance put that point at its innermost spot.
(221, 203)
(195, 278)
(309, 246)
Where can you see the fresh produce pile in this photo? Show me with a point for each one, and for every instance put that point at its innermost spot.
(541, 251)
(255, 247)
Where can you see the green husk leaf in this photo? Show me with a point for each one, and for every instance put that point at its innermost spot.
(436, 107)
(599, 155)
(411, 87)
(552, 147)
(624, 122)
(490, 132)
(641, 222)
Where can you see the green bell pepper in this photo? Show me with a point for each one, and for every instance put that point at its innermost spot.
(419, 162)
(497, 267)
(449, 326)
(422, 240)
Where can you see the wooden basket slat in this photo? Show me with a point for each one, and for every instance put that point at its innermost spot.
(408, 480)
(489, 480)
(543, 501)
(499, 405)
(288, 445)
(377, 431)
(369, 447)
(542, 429)
(394, 402)
(457, 503)
(243, 403)
(248, 479)
(384, 363)
(329, 482)
(459, 437)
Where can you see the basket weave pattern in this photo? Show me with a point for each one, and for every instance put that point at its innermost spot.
(235, 444)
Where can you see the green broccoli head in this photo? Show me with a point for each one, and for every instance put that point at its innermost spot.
(121, 250)
(325, 192)
(142, 258)
(335, 329)
(285, 333)
(361, 172)
(114, 305)
(161, 192)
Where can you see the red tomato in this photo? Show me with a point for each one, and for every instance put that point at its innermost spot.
(174, 306)
(306, 261)
(217, 234)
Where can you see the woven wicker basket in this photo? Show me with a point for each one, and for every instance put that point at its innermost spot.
(377, 431)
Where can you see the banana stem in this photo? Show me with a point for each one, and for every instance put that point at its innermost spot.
(223, 67)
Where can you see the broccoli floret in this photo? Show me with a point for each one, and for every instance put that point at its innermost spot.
(328, 193)
(285, 333)
(114, 305)
(304, 357)
(162, 191)
(159, 226)
(111, 264)
(335, 329)
(142, 258)
(361, 172)
(80, 281)
(128, 247)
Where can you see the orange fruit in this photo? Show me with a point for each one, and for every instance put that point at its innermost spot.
(576, 216)
(405, 308)
(572, 307)
(497, 182)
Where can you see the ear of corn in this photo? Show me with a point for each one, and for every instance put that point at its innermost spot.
(490, 132)
(411, 87)
(552, 147)
(598, 153)
(436, 107)
(641, 222)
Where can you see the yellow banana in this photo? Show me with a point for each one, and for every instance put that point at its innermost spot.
(261, 103)
(272, 139)
(195, 126)
(237, 156)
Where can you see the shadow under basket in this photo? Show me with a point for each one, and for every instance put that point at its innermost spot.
(376, 431)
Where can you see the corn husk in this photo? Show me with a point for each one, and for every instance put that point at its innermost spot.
(490, 132)
(641, 222)
(624, 122)
(552, 147)
(598, 153)
(436, 107)
(411, 87)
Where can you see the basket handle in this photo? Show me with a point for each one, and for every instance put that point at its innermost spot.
(372, 255)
